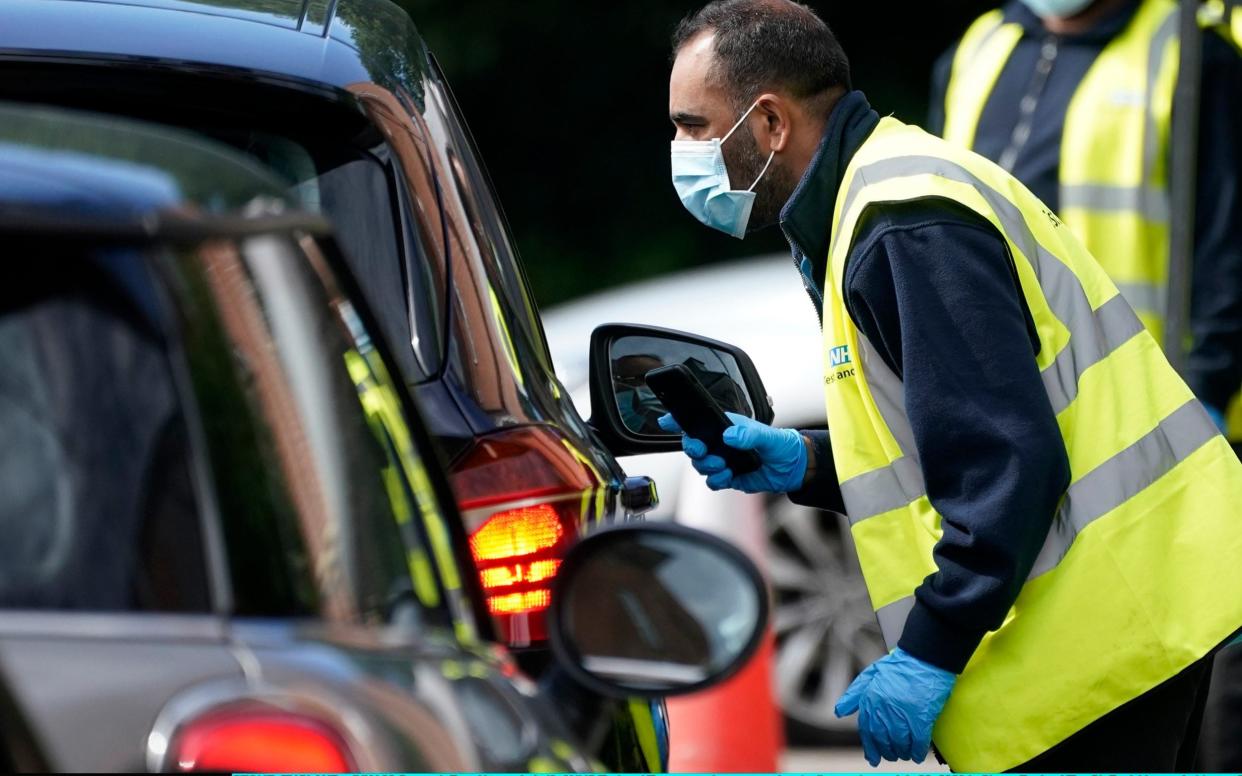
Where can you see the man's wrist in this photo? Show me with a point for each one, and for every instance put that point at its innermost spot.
(810, 459)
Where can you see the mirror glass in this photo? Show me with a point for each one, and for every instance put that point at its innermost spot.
(632, 357)
(653, 612)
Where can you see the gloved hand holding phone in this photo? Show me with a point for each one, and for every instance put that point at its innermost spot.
(781, 450)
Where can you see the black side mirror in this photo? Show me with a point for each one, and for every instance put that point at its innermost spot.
(655, 609)
(623, 408)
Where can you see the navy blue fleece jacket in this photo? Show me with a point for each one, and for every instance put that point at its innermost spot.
(932, 286)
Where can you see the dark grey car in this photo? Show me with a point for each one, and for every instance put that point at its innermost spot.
(227, 540)
(344, 102)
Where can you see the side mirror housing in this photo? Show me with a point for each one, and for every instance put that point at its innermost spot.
(623, 411)
(655, 609)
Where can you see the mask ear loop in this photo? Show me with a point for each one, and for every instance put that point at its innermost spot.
(771, 156)
(739, 122)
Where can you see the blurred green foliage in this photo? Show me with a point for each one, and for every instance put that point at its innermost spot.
(568, 105)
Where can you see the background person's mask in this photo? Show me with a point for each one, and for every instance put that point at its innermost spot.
(702, 183)
(1060, 9)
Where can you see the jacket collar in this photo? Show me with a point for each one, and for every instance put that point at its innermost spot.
(806, 219)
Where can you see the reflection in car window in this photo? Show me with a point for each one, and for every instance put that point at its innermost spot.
(358, 190)
(334, 444)
(97, 503)
(487, 221)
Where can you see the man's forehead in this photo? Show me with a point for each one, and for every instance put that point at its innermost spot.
(692, 90)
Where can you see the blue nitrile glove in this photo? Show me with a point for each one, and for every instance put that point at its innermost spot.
(781, 450)
(1216, 415)
(898, 699)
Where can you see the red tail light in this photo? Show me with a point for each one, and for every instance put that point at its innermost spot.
(524, 495)
(259, 741)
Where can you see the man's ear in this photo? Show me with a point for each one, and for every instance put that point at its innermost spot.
(776, 113)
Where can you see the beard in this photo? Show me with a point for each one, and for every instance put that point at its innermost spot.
(745, 161)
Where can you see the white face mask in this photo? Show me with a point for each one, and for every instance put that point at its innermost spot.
(702, 183)
(1061, 9)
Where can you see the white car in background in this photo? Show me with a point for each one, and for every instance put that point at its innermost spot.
(825, 629)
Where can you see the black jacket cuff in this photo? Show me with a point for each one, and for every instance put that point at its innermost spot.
(821, 491)
(933, 640)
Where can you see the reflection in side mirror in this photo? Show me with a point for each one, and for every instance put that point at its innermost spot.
(655, 609)
(633, 356)
(624, 410)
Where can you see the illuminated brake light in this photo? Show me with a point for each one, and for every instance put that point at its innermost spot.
(259, 741)
(514, 603)
(517, 532)
(524, 493)
(503, 576)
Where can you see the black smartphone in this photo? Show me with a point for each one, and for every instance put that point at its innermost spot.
(698, 414)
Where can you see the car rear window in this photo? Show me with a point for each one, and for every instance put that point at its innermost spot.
(357, 190)
(471, 184)
(97, 505)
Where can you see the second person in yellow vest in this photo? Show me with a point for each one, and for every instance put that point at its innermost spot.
(1075, 99)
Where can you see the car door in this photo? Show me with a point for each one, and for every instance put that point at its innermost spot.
(105, 585)
(377, 638)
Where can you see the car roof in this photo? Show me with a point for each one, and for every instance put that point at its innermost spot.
(79, 166)
(324, 42)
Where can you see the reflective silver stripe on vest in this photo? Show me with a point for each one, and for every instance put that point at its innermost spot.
(901, 482)
(1094, 334)
(1115, 325)
(1152, 203)
(1151, 131)
(1060, 286)
(884, 489)
(892, 619)
(1145, 297)
(1105, 488)
(1123, 477)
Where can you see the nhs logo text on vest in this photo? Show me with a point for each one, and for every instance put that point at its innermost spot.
(838, 364)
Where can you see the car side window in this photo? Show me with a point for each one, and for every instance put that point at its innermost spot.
(98, 508)
(472, 185)
(350, 530)
(416, 205)
(356, 184)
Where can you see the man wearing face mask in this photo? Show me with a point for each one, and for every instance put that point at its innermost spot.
(639, 406)
(1045, 517)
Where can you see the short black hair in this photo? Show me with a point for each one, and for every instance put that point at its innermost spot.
(766, 44)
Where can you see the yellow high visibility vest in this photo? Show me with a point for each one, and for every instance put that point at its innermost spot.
(1138, 577)
(1114, 185)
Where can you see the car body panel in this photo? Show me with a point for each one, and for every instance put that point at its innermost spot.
(53, 661)
(182, 35)
(462, 709)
